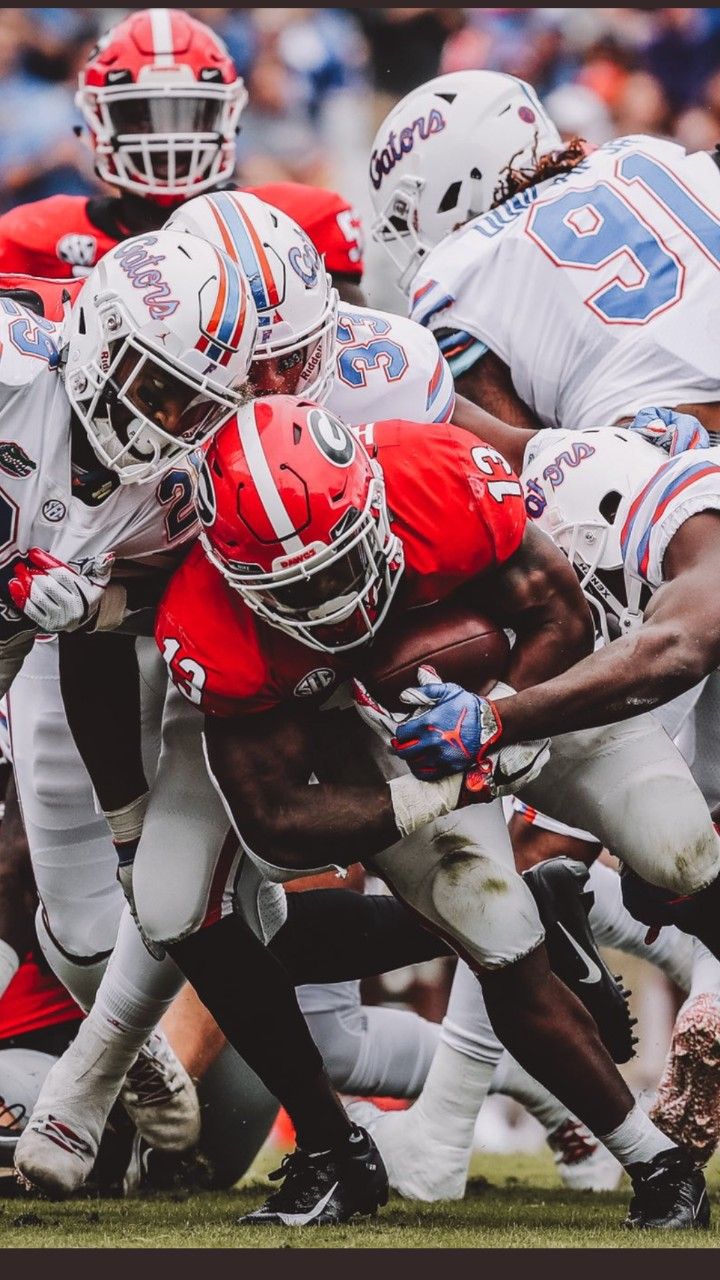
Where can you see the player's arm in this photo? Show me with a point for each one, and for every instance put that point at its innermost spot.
(677, 644)
(510, 441)
(262, 764)
(488, 385)
(536, 593)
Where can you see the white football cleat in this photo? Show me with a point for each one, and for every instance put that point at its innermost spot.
(418, 1166)
(583, 1163)
(160, 1097)
(57, 1149)
(687, 1102)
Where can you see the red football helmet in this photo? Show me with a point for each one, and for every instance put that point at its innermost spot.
(162, 98)
(294, 517)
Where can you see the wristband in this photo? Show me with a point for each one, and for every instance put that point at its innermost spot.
(415, 803)
(9, 965)
(127, 823)
(113, 605)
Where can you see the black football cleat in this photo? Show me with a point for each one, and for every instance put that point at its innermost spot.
(669, 1194)
(558, 888)
(327, 1188)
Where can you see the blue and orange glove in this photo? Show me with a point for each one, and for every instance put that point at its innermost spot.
(451, 730)
(671, 431)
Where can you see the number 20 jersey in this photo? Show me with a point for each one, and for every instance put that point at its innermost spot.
(599, 289)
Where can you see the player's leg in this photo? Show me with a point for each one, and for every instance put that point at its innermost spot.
(629, 785)
(459, 873)
(368, 1050)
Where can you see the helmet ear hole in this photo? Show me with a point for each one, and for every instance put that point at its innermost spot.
(451, 197)
(609, 505)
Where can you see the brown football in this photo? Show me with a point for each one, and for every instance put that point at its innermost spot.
(456, 640)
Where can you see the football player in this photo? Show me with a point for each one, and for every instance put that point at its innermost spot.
(162, 99)
(568, 289)
(282, 594)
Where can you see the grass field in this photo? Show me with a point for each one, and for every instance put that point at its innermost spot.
(513, 1202)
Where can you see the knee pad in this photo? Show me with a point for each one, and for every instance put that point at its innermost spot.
(81, 975)
(485, 907)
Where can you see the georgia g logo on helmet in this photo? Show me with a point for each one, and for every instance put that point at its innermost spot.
(334, 441)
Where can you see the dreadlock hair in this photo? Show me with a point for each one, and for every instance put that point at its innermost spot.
(550, 165)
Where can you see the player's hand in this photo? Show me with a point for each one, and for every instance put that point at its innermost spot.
(376, 716)
(53, 595)
(449, 731)
(671, 431)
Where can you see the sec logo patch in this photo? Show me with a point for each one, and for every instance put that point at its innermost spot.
(54, 510)
(314, 682)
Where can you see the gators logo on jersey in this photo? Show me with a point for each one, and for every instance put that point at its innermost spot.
(14, 461)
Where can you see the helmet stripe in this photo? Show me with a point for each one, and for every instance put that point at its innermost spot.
(275, 511)
(162, 37)
(250, 252)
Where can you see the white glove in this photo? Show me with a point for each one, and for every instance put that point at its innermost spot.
(56, 597)
(515, 766)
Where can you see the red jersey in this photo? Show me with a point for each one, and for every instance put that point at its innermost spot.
(47, 297)
(65, 236)
(459, 511)
(34, 1000)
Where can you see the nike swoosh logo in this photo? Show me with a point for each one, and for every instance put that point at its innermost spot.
(301, 1219)
(593, 970)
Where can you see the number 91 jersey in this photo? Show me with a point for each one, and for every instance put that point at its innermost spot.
(599, 289)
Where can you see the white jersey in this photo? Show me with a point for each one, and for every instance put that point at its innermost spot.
(39, 504)
(599, 289)
(683, 487)
(388, 367)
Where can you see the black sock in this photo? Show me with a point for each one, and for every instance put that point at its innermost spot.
(335, 935)
(252, 999)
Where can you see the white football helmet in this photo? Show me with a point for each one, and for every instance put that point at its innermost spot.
(294, 295)
(579, 486)
(439, 156)
(157, 350)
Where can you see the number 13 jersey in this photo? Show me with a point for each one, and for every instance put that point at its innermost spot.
(599, 289)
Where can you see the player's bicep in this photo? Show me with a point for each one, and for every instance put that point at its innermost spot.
(683, 603)
(489, 385)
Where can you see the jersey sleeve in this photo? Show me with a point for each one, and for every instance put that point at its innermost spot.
(330, 221)
(14, 253)
(498, 498)
(683, 487)
(211, 652)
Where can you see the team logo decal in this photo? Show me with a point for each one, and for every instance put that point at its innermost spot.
(54, 510)
(399, 144)
(333, 440)
(14, 461)
(314, 682)
(305, 262)
(205, 498)
(141, 269)
(78, 251)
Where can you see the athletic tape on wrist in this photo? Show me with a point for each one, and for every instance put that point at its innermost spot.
(127, 823)
(113, 604)
(415, 803)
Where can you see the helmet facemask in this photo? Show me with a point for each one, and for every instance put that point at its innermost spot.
(345, 588)
(317, 347)
(164, 140)
(142, 410)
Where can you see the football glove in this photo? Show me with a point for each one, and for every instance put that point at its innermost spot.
(449, 731)
(671, 431)
(53, 595)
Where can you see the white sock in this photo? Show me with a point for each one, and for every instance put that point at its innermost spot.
(636, 1140)
(452, 1096)
(705, 971)
(136, 989)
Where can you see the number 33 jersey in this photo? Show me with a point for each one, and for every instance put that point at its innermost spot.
(599, 289)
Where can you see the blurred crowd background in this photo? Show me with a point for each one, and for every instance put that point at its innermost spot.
(320, 82)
